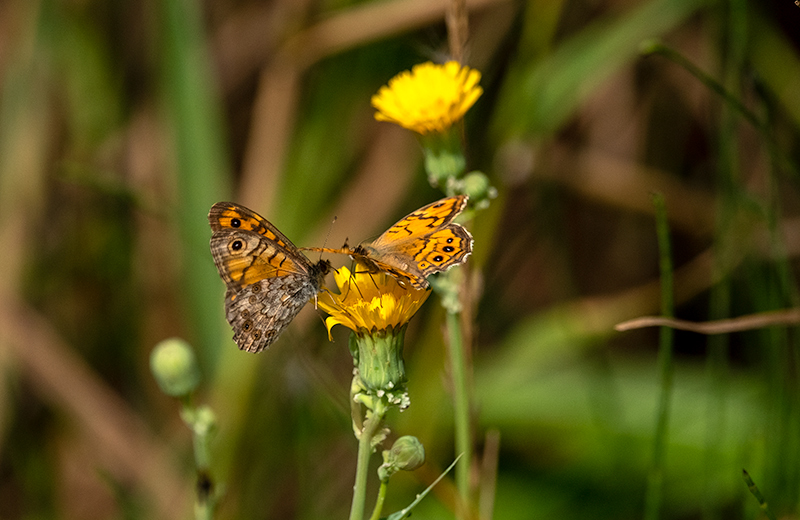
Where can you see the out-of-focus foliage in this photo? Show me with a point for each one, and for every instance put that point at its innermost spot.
(121, 123)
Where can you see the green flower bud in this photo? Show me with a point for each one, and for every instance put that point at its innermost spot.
(407, 454)
(476, 186)
(174, 367)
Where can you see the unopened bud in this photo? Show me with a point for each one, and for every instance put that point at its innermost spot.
(174, 367)
(476, 185)
(407, 454)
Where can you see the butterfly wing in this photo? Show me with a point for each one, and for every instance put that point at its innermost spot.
(424, 242)
(229, 215)
(268, 279)
(422, 222)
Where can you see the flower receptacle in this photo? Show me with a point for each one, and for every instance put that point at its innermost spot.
(378, 356)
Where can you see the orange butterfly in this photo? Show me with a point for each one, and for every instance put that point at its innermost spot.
(268, 279)
(424, 242)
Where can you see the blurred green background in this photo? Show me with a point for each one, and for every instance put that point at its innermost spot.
(122, 122)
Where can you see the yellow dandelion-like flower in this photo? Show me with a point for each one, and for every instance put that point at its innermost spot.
(369, 302)
(377, 309)
(429, 98)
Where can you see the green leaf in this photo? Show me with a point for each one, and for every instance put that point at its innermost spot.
(403, 512)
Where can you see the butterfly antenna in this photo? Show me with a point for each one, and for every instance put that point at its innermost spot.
(327, 236)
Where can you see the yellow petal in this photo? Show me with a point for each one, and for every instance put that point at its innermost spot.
(429, 98)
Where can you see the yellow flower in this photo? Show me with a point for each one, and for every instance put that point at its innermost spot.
(370, 302)
(377, 309)
(429, 98)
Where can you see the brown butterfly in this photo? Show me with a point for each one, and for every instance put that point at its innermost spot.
(424, 242)
(269, 280)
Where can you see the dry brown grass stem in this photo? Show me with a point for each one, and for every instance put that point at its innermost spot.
(690, 280)
(274, 113)
(748, 322)
(689, 285)
(457, 28)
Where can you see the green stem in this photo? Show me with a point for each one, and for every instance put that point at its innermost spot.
(201, 422)
(371, 425)
(655, 479)
(463, 438)
(720, 295)
(206, 497)
(762, 502)
(376, 512)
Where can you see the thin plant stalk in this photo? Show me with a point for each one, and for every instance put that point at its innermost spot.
(201, 422)
(371, 426)
(376, 512)
(655, 478)
(458, 32)
(762, 502)
(463, 437)
(720, 294)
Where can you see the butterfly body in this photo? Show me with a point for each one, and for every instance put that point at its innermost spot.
(424, 242)
(268, 279)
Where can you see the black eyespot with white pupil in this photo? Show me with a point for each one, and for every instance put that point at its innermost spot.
(438, 258)
(448, 249)
(235, 222)
(236, 245)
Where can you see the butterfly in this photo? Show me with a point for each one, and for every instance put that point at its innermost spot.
(424, 242)
(268, 279)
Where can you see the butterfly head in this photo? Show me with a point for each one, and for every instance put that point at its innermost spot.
(322, 268)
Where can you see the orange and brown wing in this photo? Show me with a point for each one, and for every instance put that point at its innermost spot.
(442, 249)
(244, 257)
(268, 279)
(423, 243)
(422, 222)
(229, 215)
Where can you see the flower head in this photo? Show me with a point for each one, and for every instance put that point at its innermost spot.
(377, 309)
(370, 302)
(429, 98)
